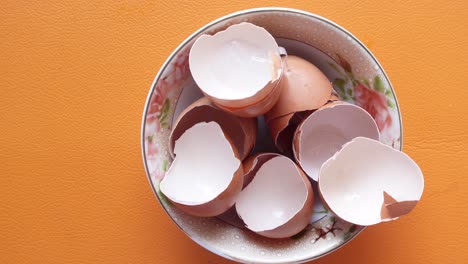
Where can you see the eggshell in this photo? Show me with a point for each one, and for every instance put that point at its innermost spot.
(257, 108)
(368, 182)
(278, 202)
(303, 87)
(276, 127)
(242, 131)
(253, 163)
(206, 176)
(238, 68)
(324, 132)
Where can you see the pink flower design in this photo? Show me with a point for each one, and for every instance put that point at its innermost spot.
(157, 100)
(375, 103)
(158, 174)
(159, 110)
(178, 73)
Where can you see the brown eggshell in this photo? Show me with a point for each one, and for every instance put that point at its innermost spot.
(277, 125)
(326, 130)
(240, 90)
(298, 131)
(356, 196)
(253, 163)
(221, 203)
(241, 131)
(304, 87)
(282, 130)
(246, 205)
(392, 209)
(266, 92)
(299, 221)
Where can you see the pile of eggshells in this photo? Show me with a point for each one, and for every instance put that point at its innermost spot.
(244, 74)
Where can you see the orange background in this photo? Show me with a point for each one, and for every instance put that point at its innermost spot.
(74, 78)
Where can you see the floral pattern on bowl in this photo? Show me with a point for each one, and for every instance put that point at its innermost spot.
(357, 77)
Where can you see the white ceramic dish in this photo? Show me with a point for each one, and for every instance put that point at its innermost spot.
(358, 78)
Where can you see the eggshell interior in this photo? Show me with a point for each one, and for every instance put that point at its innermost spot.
(241, 131)
(275, 195)
(203, 168)
(364, 177)
(325, 131)
(235, 63)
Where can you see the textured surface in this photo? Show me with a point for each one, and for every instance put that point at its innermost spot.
(74, 77)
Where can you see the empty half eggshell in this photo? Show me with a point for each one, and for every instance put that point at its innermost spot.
(303, 87)
(238, 68)
(241, 131)
(326, 130)
(206, 176)
(278, 202)
(368, 182)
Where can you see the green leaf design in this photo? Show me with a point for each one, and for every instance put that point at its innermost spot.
(332, 219)
(335, 68)
(378, 84)
(150, 138)
(388, 93)
(391, 104)
(164, 110)
(340, 83)
(350, 92)
(366, 82)
(324, 211)
(164, 114)
(164, 165)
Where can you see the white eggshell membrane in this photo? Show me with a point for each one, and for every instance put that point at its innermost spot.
(352, 182)
(274, 196)
(325, 131)
(203, 168)
(235, 63)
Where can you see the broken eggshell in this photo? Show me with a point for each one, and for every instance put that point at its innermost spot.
(238, 69)
(324, 132)
(258, 108)
(368, 182)
(278, 202)
(303, 87)
(206, 176)
(241, 131)
(253, 163)
(276, 128)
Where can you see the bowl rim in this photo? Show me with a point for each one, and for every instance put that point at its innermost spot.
(195, 34)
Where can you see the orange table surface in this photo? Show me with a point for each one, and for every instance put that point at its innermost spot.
(74, 78)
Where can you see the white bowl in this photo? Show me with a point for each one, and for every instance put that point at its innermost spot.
(357, 76)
